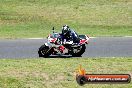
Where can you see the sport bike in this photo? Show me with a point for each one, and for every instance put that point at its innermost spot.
(55, 46)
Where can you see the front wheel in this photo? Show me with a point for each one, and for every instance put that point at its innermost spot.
(44, 51)
(77, 52)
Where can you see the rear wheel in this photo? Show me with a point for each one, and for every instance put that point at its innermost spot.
(44, 51)
(77, 52)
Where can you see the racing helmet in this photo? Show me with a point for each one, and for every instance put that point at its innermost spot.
(65, 29)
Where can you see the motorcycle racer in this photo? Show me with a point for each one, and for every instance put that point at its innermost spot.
(68, 35)
(66, 43)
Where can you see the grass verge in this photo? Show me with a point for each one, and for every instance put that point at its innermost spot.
(35, 18)
(59, 72)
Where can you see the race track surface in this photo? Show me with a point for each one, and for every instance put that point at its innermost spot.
(97, 47)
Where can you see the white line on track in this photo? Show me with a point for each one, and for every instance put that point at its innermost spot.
(34, 38)
(45, 38)
(92, 37)
(89, 37)
(129, 36)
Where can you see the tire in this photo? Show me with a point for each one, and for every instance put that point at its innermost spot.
(79, 54)
(43, 51)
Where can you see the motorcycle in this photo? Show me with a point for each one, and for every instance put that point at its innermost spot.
(55, 46)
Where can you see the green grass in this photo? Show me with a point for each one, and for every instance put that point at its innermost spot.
(35, 18)
(59, 72)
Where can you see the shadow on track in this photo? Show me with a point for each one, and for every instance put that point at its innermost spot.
(60, 56)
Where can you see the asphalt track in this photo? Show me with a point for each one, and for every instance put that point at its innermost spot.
(97, 47)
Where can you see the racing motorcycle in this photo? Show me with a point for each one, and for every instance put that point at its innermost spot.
(55, 46)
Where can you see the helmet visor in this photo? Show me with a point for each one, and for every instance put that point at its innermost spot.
(65, 31)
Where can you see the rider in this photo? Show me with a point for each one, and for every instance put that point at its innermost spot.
(69, 35)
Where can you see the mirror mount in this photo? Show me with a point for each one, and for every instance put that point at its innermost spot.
(53, 29)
